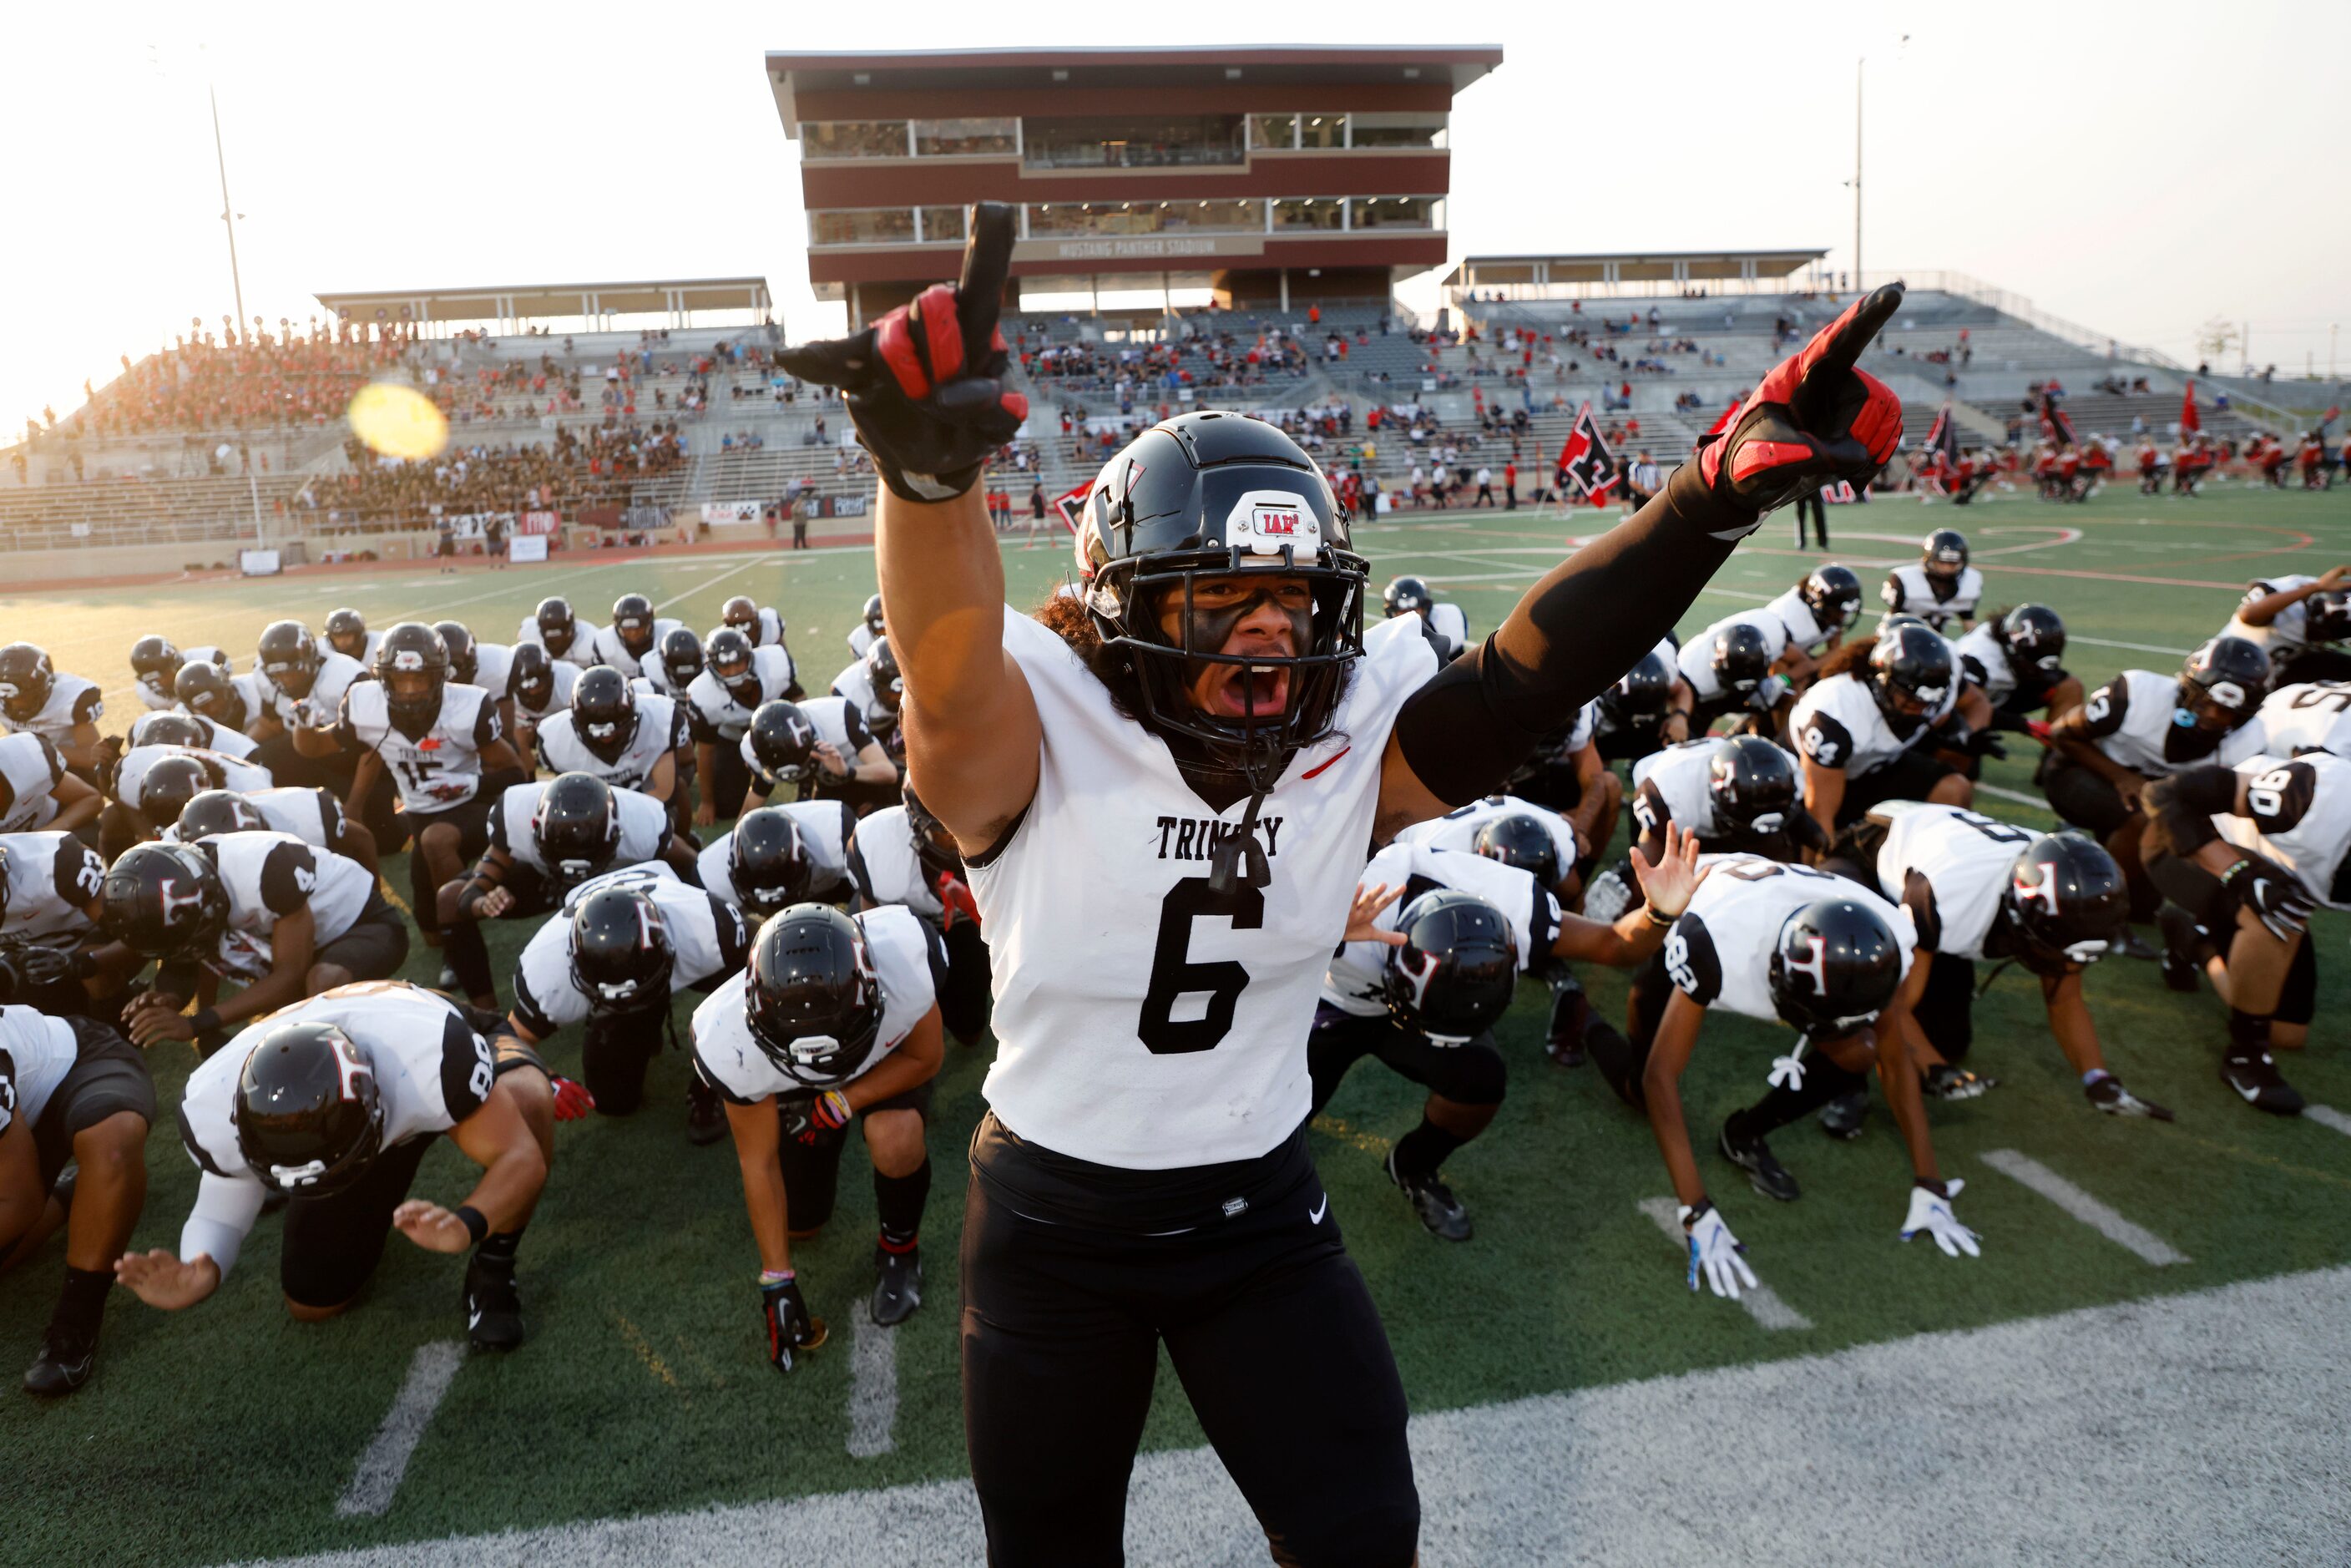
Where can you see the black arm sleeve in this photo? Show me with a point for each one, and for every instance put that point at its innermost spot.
(2182, 806)
(1576, 632)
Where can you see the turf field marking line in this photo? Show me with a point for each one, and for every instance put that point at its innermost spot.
(708, 583)
(2328, 1116)
(2149, 1247)
(873, 1390)
(1763, 1303)
(2017, 796)
(429, 1371)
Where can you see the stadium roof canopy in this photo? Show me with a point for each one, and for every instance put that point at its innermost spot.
(673, 298)
(1532, 276)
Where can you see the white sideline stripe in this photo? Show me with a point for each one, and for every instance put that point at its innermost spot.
(2134, 647)
(2197, 1420)
(873, 1390)
(2108, 1223)
(1763, 1303)
(2018, 796)
(707, 583)
(429, 1371)
(2328, 1116)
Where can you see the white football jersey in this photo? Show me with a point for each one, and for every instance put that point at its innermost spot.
(768, 629)
(2131, 719)
(580, 655)
(493, 670)
(31, 767)
(825, 826)
(1948, 867)
(1719, 952)
(1838, 724)
(855, 685)
(1936, 601)
(660, 731)
(1695, 662)
(610, 650)
(1984, 661)
(907, 962)
(268, 876)
(645, 827)
(860, 637)
(562, 676)
(1145, 1021)
(73, 701)
(707, 935)
(313, 816)
(218, 738)
(130, 774)
(886, 863)
(36, 1051)
(1450, 619)
(1458, 829)
(156, 693)
(2301, 818)
(438, 769)
(834, 721)
(717, 714)
(336, 672)
(1794, 619)
(1355, 980)
(53, 878)
(2311, 716)
(2290, 632)
(1675, 786)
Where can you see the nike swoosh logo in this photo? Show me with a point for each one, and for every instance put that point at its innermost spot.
(1320, 1210)
(473, 1319)
(1319, 767)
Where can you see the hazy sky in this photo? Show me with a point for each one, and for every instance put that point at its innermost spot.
(2139, 169)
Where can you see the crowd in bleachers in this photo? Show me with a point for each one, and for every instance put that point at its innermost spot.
(567, 472)
(262, 382)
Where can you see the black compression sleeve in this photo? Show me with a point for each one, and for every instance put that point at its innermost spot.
(1570, 637)
(2182, 806)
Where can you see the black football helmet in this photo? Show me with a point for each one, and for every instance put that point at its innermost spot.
(26, 682)
(622, 955)
(2326, 615)
(289, 657)
(153, 663)
(164, 901)
(934, 846)
(557, 628)
(1945, 553)
(171, 782)
(1639, 698)
(412, 662)
(174, 729)
(1741, 657)
(882, 668)
(1518, 839)
(728, 656)
(632, 618)
(465, 660)
(783, 741)
(605, 711)
(1833, 967)
(532, 674)
(2065, 904)
(2033, 635)
(1911, 673)
(767, 862)
(308, 1112)
(812, 1001)
(681, 656)
(206, 689)
(1406, 596)
(214, 811)
(1833, 593)
(873, 622)
(346, 632)
(1453, 977)
(1212, 498)
(576, 827)
(742, 613)
(1753, 786)
(2223, 683)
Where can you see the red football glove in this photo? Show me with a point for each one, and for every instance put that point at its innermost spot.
(572, 1100)
(924, 382)
(954, 896)
(1814, 421)
(2038, 728)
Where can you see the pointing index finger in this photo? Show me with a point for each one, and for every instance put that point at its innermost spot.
(1843, 350)
(986, 263)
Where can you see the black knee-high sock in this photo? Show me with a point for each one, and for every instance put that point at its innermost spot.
(900, 1200)
(2248, 1033)
(82, 1303)
(463, 946)
(500, 1249)
(1570, 1008)
(1824, 1081)
(1421, 1152)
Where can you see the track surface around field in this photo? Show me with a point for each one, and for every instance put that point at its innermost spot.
(1553, 1362)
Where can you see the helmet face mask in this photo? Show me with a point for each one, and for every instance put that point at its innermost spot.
(27, 681)
(2033, 635)
(412, 664)
(728, 657)
(1406, 596)
(1911, 673)
(1945, 553)
(289, 657)
(1833, 593)
(533, 676)
(2326, 615)
(739, 611)
(933, 844)
(681, 656)
(1454, 975)
(633, 619)
(2221, 685)
(622, 955)
(576, 828)
(783, 741)
(308, 1111)
(882, 669)
(164, 901)
(767, 862)
(604, 712)
(1640, 695)
(1741, 657)
(557, 628)
(1753, 786)
(873, 622)
(2064, 905)
(346, 632)
(813, 1000)
(155, 662)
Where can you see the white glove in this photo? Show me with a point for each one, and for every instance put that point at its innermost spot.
(1931, 1212)
(1712, 1248)
(1606, 898)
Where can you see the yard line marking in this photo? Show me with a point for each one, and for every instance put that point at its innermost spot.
(2149, 1247)
(2018, 796)
(2328, 1116)
(2134, 647)
(873, 1390)
(1762, 1303)
(707, 583)
(429, 1371)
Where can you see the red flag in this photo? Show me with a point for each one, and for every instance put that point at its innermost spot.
(2191, 421)
(1586, 461)
(1071, 505)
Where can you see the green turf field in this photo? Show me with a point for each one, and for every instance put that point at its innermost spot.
(231, 1432)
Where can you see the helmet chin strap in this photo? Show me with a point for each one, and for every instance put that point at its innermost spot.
(1225, 864)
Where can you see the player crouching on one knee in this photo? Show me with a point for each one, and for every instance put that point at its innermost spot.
(335, 1102)
(836, 1018)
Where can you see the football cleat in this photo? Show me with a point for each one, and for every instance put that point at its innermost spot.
(2134, 945)
(2181, 939)
(1946, 1082)
(1843, 1117)
(897, 1285)
(705, 1118)
(492, 1306)
(1434, 1202)
(64, 1364)
(2109, 1094)
(2258, 1082)
(1765, 1173)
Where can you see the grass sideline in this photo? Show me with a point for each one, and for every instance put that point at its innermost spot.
(230, 1432)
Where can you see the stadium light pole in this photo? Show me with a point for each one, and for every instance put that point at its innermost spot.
(236, 287)
(1859, 284)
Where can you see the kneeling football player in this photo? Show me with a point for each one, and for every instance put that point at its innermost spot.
(335, 1102)
(777, 856)
(313, 816)
(836, 1018)
(902, 854)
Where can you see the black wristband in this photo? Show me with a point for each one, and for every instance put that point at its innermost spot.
(206, 1020)
(476, 1225)
(1649, 913)
(80, 966)
(1938, 1188)
(1697, 1211)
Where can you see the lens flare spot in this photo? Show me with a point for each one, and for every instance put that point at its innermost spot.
(395, 421)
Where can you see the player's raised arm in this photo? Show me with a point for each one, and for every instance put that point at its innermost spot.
(1814, 420)
(923, 385)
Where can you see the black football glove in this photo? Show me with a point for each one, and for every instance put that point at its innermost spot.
(924, 383)
(789, 1325)
(1814, 421)
(37, 966)
(816, 1121)
(2272, 893)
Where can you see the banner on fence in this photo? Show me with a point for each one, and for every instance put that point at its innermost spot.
(258, 563)
(547, 523)
(730, 511)
(523, 548)
(841, 506)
